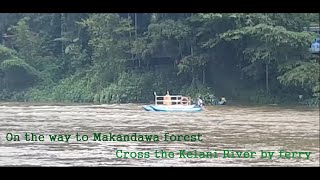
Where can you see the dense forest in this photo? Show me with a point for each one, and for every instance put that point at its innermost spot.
(125, 57)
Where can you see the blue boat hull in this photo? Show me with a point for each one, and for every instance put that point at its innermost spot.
(148, 108)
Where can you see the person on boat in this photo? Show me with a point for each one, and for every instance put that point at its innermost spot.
(222, 101)
(167, 99)
(200, 102)
(300, 98)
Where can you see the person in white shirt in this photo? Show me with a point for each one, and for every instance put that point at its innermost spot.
(200, 102)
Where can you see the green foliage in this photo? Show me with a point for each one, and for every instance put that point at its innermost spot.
(28, 43)
(167, 38)
(304, 74)
(73, 89)
(169, 29)
(6, 53)
(205, 93)
(109, 39)
(139, 48)
(130, 87)
(19, 74)
(127, 89)
(9, 95)
(78, 58)
(261, 97)
(294, 21)
(13, 64)
(39, 94)
(190, 64)
(312, 102)
(84, 57)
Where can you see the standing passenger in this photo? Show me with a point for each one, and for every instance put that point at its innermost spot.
(167, 99)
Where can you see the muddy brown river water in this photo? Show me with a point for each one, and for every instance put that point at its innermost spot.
(237, 128)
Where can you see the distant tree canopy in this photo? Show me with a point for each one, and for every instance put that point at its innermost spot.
(125, 57)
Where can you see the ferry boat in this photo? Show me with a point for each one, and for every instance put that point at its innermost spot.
(172, 103)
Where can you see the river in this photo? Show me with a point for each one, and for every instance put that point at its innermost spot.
(237, 128)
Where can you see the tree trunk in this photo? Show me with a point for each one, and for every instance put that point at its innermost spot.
(191, 49)
(130, 35)
(136, 32)
(203, 75)
(62, 30)
(193, 76)
(267, 77)
(2, 38)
